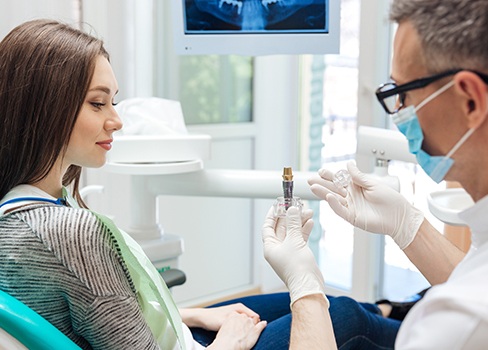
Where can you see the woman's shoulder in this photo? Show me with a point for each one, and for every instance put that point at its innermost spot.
(60, 226)
(58, 217)
(80, 241)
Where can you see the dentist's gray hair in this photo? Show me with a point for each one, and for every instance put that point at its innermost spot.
(453, 33)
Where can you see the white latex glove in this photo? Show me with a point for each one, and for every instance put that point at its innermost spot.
(286, 250)
(369, 204)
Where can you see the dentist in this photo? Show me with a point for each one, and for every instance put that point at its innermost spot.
(438, 98)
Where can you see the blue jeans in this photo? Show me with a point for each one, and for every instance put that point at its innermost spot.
(356, 325)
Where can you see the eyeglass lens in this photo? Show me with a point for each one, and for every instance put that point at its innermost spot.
(392, 103)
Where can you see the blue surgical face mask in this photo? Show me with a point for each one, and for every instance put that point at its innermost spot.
(407, 122)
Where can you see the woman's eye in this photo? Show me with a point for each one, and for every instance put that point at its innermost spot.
(97, 104)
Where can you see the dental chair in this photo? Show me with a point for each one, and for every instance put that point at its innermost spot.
(28, 328)
(22, 328)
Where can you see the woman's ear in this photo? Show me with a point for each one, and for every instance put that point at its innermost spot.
(473, 92)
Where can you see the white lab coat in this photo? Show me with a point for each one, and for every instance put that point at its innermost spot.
(454, 315)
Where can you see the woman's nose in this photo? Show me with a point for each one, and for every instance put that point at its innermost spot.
(114, 122)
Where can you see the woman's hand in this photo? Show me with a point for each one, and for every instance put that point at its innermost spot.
(213, 318)
(238, 332)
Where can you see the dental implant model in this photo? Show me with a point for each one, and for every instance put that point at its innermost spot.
(283, 203)
(287, 186)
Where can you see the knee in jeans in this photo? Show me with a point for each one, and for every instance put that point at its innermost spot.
(348, 310)
(348, 303)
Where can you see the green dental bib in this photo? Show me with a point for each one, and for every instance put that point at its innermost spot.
(155, 299)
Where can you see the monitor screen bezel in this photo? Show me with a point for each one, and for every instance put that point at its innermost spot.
(262, 43)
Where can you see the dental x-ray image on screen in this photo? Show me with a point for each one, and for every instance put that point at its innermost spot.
(256, 27)
(255, 16)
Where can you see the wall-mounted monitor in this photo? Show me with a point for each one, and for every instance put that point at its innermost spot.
(256, 27)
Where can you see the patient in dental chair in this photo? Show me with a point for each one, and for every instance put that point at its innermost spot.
(74, 266)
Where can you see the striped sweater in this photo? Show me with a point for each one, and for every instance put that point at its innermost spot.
(63, 263)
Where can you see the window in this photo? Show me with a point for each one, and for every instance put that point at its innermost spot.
(212, 89)
(338, 75)
(216, 89)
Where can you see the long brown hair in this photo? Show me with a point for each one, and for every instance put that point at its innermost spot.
(45, 71)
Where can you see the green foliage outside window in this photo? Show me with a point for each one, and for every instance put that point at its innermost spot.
(216, 89)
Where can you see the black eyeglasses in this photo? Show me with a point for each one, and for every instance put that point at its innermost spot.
(392, 96)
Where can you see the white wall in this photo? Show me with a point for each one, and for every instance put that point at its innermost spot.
(13, 13)
(126, 26)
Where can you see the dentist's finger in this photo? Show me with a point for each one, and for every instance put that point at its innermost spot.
(338, 208)
(322, 192)
(307, 214)
(307, 229)
(327, 184)
(326, 174)
(268, 231)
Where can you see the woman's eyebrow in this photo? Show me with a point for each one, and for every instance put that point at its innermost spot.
(103, 88)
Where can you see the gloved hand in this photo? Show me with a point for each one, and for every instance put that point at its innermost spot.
(370, 205)
(286, 250)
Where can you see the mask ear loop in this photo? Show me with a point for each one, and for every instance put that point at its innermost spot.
(455, 148)
(460, 142)
(465, 136)
(434, 95)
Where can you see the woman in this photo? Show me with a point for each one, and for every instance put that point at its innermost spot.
(57, 93)
(73, 266)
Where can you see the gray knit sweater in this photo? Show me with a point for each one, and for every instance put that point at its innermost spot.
(63, 263)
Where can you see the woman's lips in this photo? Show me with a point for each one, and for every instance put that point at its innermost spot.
(107, 145)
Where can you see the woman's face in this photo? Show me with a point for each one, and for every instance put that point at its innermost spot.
(91, 138)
